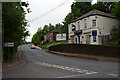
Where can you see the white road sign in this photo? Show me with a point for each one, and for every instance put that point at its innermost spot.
(9, 44)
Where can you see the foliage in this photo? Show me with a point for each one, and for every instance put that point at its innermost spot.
(38, 37)
(14, 24)
(103, 6)
(116, 9)
(116, 12)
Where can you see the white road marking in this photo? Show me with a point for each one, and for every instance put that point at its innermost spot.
(93, 72)
(65, 68)
(112, 74)
(71, 76)
(88, 73)
(78, 69)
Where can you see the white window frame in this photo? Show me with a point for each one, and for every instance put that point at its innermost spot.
(94, 22)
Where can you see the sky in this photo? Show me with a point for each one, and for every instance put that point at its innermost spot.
(45, 12)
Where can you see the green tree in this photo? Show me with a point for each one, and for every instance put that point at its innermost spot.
(14, 24)
(116, 12)
(116, 9)
(103, 6)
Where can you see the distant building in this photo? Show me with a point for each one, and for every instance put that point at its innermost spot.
(93, 27)
(51, 36)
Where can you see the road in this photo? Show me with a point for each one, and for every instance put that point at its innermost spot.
(41, 64)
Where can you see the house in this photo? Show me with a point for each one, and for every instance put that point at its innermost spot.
(51, 36)
(93, 27)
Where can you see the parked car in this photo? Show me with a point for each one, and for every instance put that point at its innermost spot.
(33, 47)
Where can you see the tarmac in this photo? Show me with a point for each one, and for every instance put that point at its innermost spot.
(18, 60)
(86, 56)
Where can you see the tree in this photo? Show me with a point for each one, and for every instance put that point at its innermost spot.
(116, 9)
(80, 8)
(51, 27)
(14, 23)
(103, 6)
(116, 12)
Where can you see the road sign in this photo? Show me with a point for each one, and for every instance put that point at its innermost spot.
(9, 44)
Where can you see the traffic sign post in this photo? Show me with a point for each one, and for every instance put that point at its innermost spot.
(9, 46)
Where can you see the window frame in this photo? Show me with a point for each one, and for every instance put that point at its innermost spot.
(94, 22)
(73, 29)
(78, 25)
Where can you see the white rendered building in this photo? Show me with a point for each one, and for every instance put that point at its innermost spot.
(93, 27)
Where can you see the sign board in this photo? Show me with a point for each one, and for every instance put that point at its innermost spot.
(60, 37)
(9, 44)
(94, 32)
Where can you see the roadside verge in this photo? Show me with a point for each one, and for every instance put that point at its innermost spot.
(16, 62)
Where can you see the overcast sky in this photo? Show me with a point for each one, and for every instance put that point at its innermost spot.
(38, 16)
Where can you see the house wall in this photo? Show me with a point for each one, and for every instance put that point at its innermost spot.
(106, 24)
(103, 26)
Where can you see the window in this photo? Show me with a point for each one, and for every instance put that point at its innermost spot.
(78, 25)
(85, 23)
(93, 23)
(94, 38)
(73, 27)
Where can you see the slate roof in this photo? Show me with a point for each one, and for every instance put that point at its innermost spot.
(95, 12)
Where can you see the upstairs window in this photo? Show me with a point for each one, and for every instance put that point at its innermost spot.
(73, 27)
(93, 23)
(85, 23)
(78, 25)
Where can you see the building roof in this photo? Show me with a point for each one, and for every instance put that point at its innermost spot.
(95, 12)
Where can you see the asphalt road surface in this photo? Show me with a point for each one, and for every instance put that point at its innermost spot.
(41, 64)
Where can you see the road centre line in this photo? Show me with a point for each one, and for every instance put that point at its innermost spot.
(71, 76)
(65, 68)
(112, 74)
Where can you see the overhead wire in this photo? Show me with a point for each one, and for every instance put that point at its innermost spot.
(48, 11)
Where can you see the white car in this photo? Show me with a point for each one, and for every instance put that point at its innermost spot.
(33, 47)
